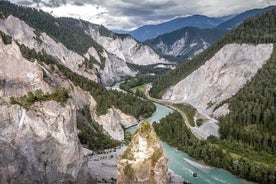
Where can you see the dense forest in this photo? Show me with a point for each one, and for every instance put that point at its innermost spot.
(105, 99)
(247, 146)
(128, 84)
(252, 117)
(259, 29)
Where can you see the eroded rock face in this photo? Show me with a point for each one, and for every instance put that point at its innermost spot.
(24, 34)
(144, 160)
(115, 69)
(17, 75)
(114, 123)
(126, 48)
(40, 145)
(221, 77)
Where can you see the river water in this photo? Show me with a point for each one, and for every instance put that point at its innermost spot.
(184, 165)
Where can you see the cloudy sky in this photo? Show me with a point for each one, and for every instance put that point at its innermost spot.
(130, 14)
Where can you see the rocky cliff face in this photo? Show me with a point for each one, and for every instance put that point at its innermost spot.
(40, 145)
(115, 69)
(26, 35)
(144, 160)
(17, 75)
(220, 77)
(114, 122)
(126, 48)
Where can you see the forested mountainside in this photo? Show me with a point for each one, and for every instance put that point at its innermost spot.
(92, 43)
(247, 142)
(235, 21)
(254, 30)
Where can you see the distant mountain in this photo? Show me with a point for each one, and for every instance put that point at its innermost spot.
(234, 22)
(186, 42)
(151, 31)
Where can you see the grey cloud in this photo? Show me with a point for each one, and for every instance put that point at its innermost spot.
(141, 12)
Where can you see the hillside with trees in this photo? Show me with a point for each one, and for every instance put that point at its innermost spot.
(105, 99)
(247, 146)
(259, 29)
(64, 30)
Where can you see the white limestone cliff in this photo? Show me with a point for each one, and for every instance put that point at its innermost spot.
(18, 75)
(115, 69)
(40, 145)
(114, 122)
(126, 48)
(220, 77)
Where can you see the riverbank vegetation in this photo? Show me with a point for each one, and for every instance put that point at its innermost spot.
(239, 159)
(139, 80)
(189, 110)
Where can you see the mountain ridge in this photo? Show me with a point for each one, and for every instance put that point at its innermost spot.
(150, 31)
(187, 42)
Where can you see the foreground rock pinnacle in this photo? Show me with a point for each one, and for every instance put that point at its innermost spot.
(144, 160)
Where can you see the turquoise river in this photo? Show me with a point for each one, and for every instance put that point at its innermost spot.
(184, 165)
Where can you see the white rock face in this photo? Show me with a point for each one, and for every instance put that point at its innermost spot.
(144, 160)
(24, 34)
(17, 75)
(114, 123)
(115, 70)
(41, 145)
(183, 47)
(220, 77)
(127, 49)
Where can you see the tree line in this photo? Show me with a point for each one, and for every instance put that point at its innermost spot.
(233, 156)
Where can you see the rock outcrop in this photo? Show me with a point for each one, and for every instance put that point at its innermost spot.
(114, 123)
(40, 145)
(220, 77)
(144, 160)
(18, 75)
